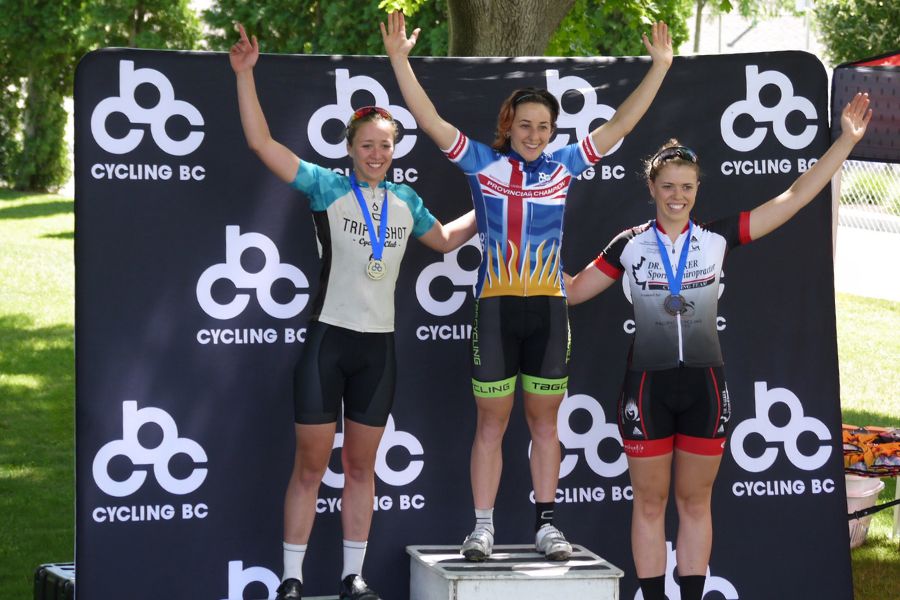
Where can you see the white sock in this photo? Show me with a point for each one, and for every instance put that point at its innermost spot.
(354, 554)
(293, 561)
(484, 518)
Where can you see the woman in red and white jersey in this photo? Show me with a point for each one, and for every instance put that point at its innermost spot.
(674, 407)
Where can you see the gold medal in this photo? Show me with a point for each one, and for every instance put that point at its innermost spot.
(376, 269)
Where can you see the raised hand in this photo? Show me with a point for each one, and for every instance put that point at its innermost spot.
(660, 49)
(856, 116)
(244, 54)
(394, 36)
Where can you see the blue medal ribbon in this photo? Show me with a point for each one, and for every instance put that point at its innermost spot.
(674, 278)
(378, 240)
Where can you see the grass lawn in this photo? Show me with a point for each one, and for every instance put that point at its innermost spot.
(37, 387)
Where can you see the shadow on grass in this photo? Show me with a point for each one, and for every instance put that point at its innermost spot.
(40, 209)
(63, 235)
(36, 450)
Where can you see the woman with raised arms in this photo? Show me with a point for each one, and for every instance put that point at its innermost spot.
(521, 321)
(349, 352)
(674, 407)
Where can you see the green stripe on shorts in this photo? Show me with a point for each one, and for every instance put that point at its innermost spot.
(494, 389)
(540, 385)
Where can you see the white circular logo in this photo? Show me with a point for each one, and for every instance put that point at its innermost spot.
(340, 111)
(156, 117)
(786, 436)
(776, 115)
(159, 457)
(261, 281)
(449, 268)
(580, 121)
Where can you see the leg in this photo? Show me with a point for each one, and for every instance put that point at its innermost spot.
(313, 449)
(694, 477)
(650, 479)
(486, 462)
(358, 458)
(541, 413)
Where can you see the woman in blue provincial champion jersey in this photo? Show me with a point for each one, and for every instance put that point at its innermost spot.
(674, 407)
(349, 352)
(521, 320)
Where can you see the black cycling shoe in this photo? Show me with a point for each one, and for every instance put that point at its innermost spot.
(290, 589)
(354, 587)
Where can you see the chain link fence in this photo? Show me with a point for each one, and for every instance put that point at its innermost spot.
(870, 196)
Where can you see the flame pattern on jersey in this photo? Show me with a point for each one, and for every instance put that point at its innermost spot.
(519, 207)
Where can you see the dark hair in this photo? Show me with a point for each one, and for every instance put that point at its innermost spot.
(508, 112)
(366, 114)
(670, 152)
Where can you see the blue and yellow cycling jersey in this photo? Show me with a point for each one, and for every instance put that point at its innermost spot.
(519, 208)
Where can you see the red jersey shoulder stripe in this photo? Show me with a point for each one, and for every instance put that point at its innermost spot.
(744, 227)
(590, 151)
(606, 268)
(459, 146)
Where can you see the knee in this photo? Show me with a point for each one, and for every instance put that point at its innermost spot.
(307, 475)
(650, 505)
(544, 431)
(694, 506)
(490, 429)
(359, 471)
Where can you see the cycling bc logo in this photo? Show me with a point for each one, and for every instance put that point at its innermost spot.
(262, 281)
(448, 268)
(391, 439)
(156, 117)
(775, 115)
(345, 86)
(589, 441)
(130, 447)
(786, 436)
(582, 120)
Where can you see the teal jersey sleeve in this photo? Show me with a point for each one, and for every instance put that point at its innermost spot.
(423, 220)
(322, 186)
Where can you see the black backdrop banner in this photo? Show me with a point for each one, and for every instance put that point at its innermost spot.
(880, 77)
(195, 267)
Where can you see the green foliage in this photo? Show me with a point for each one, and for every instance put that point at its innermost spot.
(324, 27)
(856, 29)
(872, 188)
(602, 28)
(141, 24)
(43, 163)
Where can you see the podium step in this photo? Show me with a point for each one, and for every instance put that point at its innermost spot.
(514, 571)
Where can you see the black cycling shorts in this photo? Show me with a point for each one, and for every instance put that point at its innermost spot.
(685, 408)
(527, 334)
(338, 363)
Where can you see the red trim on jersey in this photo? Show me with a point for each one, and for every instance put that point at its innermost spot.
(457, 148)
(702, 446)
(744, 227)
(606, 268)
(648, 448)
(590, 151)
(712, 375)
(892, 60)
(514, 205)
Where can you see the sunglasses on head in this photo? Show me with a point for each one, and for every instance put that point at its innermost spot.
(682, 152)
(365, 111)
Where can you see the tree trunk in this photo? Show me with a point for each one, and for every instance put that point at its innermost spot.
(503, 27)
(698, 20)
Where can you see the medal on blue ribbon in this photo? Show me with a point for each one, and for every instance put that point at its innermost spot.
(674, 304)
(375, 269)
